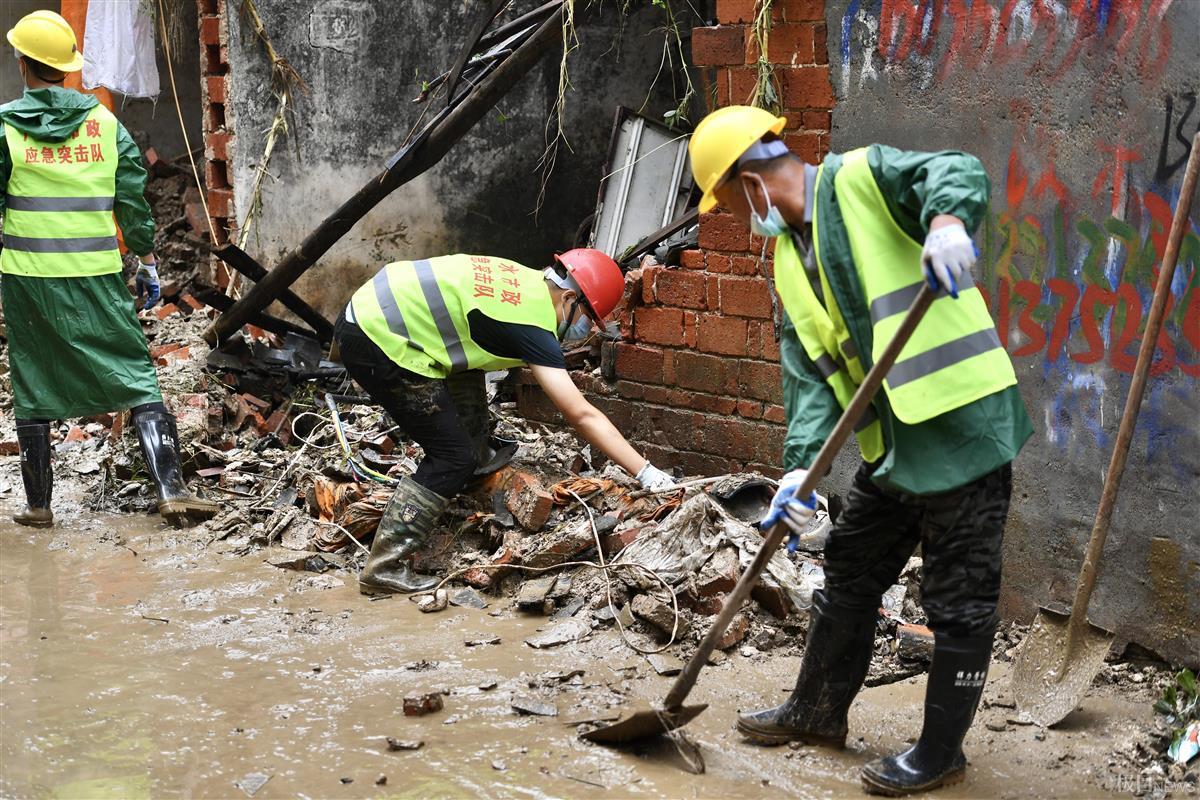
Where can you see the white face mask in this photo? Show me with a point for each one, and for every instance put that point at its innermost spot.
(772, 224)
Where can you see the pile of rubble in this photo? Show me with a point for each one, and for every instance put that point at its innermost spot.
(257, 433)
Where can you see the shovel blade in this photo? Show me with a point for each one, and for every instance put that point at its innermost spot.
(644, 723)
(1049, 682)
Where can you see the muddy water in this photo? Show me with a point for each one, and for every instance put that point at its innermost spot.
(136, 663)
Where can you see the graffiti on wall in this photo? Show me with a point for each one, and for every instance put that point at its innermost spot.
(1070, 288)
(1083, 195)
(1046, 38)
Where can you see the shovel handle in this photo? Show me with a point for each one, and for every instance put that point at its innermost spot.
(1133, 402)
(841, 432)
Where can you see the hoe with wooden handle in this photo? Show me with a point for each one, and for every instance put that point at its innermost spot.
(650, 720)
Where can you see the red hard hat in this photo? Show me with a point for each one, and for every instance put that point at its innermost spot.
(598, 276)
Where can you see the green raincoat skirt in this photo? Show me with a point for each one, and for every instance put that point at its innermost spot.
(75, 347)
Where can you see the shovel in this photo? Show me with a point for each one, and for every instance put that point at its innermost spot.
(651, 721)
(1062, 653)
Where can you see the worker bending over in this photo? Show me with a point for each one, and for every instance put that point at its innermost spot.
(67, 167)
(418, 338)
(854, 240)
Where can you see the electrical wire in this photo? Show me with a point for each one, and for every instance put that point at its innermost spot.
(605, 569)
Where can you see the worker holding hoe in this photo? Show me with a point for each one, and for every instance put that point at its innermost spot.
(67, 168)
(855, 238)
(418, 338)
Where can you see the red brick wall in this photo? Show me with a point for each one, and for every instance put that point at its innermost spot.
(695, 380)
(218, 133)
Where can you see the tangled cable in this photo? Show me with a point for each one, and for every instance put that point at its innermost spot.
(605, 569)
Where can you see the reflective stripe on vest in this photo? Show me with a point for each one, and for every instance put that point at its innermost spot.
(416, 311)
(954, 357)
(58, 220)
(822, 336)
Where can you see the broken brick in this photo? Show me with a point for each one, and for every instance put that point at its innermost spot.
(529, 503)
(738, 627)
(160, 350)
(616, 541)
(719, 574)
(418, 705)
(76, 434)
(164, 311)
(191, 302)
(9, 447)
(707, 606)
(563, 543)
(485, 578)
(195, 217)
(176, 355)
(658, 613)
(771, 597)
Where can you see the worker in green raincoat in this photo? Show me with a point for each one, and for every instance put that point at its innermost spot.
(67, 168)
(855, 239)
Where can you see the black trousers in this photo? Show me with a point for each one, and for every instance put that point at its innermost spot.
(421, 406)
(960, 533)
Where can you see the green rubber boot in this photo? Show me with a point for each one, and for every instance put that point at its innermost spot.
(837, 655)
(956, 679)
(407, 522)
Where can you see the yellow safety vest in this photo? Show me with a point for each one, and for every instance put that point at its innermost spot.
(953, 358)
(825, 339)
(416, 311)
(58, 219)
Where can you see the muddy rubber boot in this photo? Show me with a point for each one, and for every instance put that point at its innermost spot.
(407, 522)
(837, 655)
(956, 679)
(36, 473)
(159, 438)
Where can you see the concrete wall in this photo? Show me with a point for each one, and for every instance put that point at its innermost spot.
(364, 61)
(1082, 113)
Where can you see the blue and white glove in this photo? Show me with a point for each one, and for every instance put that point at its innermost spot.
(654, 479)
(792, 511)
(146, 283)
(948, 253)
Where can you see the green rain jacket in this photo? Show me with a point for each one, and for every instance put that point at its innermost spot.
(947, 451)
(75, 345)
(52, 114)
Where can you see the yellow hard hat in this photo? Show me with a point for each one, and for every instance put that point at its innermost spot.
(46, 37)
(721, 138)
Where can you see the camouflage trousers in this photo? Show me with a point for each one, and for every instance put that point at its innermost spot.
(960, 533)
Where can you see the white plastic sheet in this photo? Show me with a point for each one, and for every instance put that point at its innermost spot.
(684, 541)
(118, 47)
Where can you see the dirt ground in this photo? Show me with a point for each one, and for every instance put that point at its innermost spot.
(139, 661)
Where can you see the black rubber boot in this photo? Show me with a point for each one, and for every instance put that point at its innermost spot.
(37, 474)
(837, 655)
(407, 522)
(956, 679)
(159, 438)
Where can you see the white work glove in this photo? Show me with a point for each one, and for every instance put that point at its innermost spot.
(146, 282)
(948, 253)
(786, 507)
(652, 478)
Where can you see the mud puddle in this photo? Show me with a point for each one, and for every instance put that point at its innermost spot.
(136, 663)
